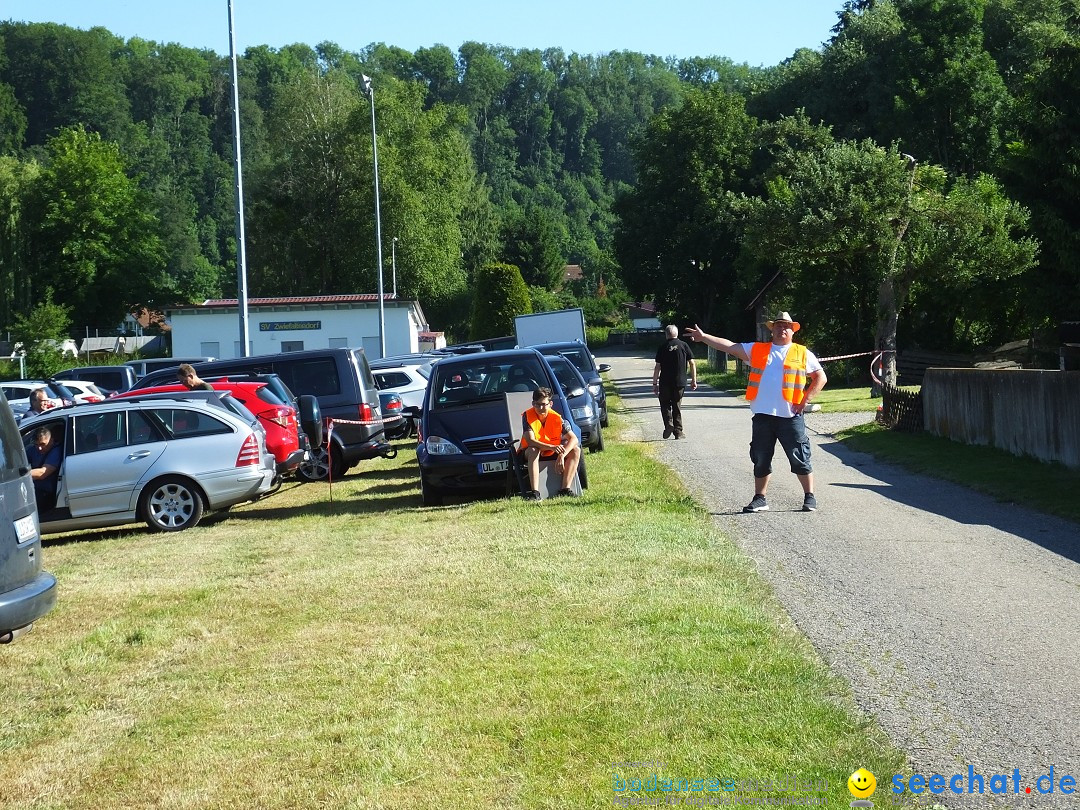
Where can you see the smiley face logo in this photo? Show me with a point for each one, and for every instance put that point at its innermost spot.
(862, 784)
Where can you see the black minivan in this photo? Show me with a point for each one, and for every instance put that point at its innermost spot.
(26, 592)
(339, 378)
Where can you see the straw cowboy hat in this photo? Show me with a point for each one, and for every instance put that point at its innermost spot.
(784, 317)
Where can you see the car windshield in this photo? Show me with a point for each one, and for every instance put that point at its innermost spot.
(485, 378)
(566, 374)
(578, 358)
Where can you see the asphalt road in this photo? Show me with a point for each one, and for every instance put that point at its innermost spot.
(953, 617)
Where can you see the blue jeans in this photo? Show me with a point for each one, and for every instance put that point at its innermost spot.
(791, 433)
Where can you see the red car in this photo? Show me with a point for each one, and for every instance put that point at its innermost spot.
(277, 417)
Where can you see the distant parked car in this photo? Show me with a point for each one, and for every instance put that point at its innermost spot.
(407, 381)
(578, 354)
(144, 367)
(17, 393)
(27, 592)
(109, 379)
(278, 418)
(464, 438)
(161, 460)
(83, 390)
(395, 424)
(582, 403)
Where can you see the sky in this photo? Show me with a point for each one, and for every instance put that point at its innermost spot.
(759, 32)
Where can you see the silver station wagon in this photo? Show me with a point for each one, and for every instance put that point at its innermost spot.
(159, 460)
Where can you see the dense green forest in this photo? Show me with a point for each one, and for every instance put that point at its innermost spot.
(915, 180)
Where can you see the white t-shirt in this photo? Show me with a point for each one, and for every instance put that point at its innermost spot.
(770, 396)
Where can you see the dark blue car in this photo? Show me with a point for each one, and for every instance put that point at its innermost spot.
(464, 433)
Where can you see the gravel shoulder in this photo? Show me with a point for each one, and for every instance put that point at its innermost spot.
(953, 617)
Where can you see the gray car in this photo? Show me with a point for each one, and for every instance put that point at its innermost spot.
(583, 404)
(161, 460)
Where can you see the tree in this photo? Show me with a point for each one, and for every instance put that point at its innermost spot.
(42, 331)
(93, 239)
(854, 217)
(501, 294)
(678, 235)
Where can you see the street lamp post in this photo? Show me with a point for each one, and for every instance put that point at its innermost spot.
(241, 253)
(393, 264)
(369, 91)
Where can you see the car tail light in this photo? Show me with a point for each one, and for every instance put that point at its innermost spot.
(393, 405)
(366, 414)
(280, 416)
(249, 455)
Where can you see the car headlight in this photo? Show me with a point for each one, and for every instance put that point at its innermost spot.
(582, 413)
(438, 446)
(596, 390)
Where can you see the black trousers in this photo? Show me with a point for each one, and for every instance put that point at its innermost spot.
(670, 398)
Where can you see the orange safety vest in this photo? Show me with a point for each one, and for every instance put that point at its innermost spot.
(794, 371)
(549, 431)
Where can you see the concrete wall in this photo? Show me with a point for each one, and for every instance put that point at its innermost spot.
(1026, 412)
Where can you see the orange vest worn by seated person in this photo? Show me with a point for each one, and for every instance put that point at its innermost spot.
(794, 371)
(549, 431)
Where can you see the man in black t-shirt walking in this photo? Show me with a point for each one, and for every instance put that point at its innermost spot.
(669, 379)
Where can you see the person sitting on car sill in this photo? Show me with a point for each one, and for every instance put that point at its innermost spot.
(44, 457)
(545, 434)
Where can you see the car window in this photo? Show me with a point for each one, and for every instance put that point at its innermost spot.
(18, 391)
(568, 378)
(181, 423)
(99, 431)
(141, 430)
(391, 379)
(315, 376)
(457, 383)
(364, 368)
(267, 395)
(578, 358)
(12, 457)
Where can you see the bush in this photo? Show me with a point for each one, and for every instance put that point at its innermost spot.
(501, 295)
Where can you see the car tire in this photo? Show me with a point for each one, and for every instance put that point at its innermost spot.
(603, 418)
(429, 495)
(583, 476)
(598, 445)
(319, 466)
(171, 504)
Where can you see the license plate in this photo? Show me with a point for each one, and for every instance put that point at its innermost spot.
(494, 466)
(24, 528)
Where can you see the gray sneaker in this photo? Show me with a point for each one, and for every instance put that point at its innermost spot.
(759, 504)
(809, 503)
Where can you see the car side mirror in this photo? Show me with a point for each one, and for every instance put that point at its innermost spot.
(603, 368)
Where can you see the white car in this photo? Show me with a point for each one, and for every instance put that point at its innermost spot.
(407, 381)
(162, 460)
(17, 393)
(83, 390)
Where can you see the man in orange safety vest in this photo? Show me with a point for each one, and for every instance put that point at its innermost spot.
(784, 377)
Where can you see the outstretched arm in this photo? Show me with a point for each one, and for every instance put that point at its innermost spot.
(696, 334)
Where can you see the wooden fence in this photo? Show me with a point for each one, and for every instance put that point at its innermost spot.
(1027, 412)
(901, 409)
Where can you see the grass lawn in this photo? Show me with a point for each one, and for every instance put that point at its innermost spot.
(371, 653)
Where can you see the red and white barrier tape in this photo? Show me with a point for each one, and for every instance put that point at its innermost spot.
(332, 421)
(849, 356)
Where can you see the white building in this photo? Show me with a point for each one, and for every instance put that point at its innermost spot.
(212, 328)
